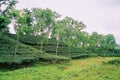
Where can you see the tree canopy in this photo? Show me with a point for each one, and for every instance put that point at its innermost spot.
(45, 24)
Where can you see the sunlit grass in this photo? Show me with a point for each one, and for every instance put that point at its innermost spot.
(80, 69)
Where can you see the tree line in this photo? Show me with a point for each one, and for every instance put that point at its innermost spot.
(46, 24)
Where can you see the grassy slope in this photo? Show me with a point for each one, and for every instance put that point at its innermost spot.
(25, 53)
(83, 69)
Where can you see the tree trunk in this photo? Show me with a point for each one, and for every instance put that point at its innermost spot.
(16, 47)
(0, 34)
(114, 51)
(107, 51)
(57, 47)
(41, 47)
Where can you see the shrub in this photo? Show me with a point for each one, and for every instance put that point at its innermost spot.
(114, 62)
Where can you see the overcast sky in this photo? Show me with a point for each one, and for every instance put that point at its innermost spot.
(102, 16)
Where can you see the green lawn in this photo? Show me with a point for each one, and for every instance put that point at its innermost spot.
(80, 69)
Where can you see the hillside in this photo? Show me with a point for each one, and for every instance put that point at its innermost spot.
(24, 53)
(49, 46)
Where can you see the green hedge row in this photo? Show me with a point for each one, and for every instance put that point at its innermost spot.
(24, 53)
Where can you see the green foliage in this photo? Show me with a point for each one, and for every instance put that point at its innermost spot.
(24, 54)
(3, 22)
(50, 46)
(114, 61)
(44, 19)
(8, 6)
(83, 69)
(64, 49)
(34, 27)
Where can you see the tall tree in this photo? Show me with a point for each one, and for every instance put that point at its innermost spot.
(72, 27)
(95, 42)
(44, 20)
(82, 39)
(15, 14)
(110, 42)
(25, 22)
(58, 32)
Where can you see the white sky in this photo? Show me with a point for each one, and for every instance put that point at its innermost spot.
(102, 16)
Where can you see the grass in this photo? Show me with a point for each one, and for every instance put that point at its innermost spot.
(79, 69)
